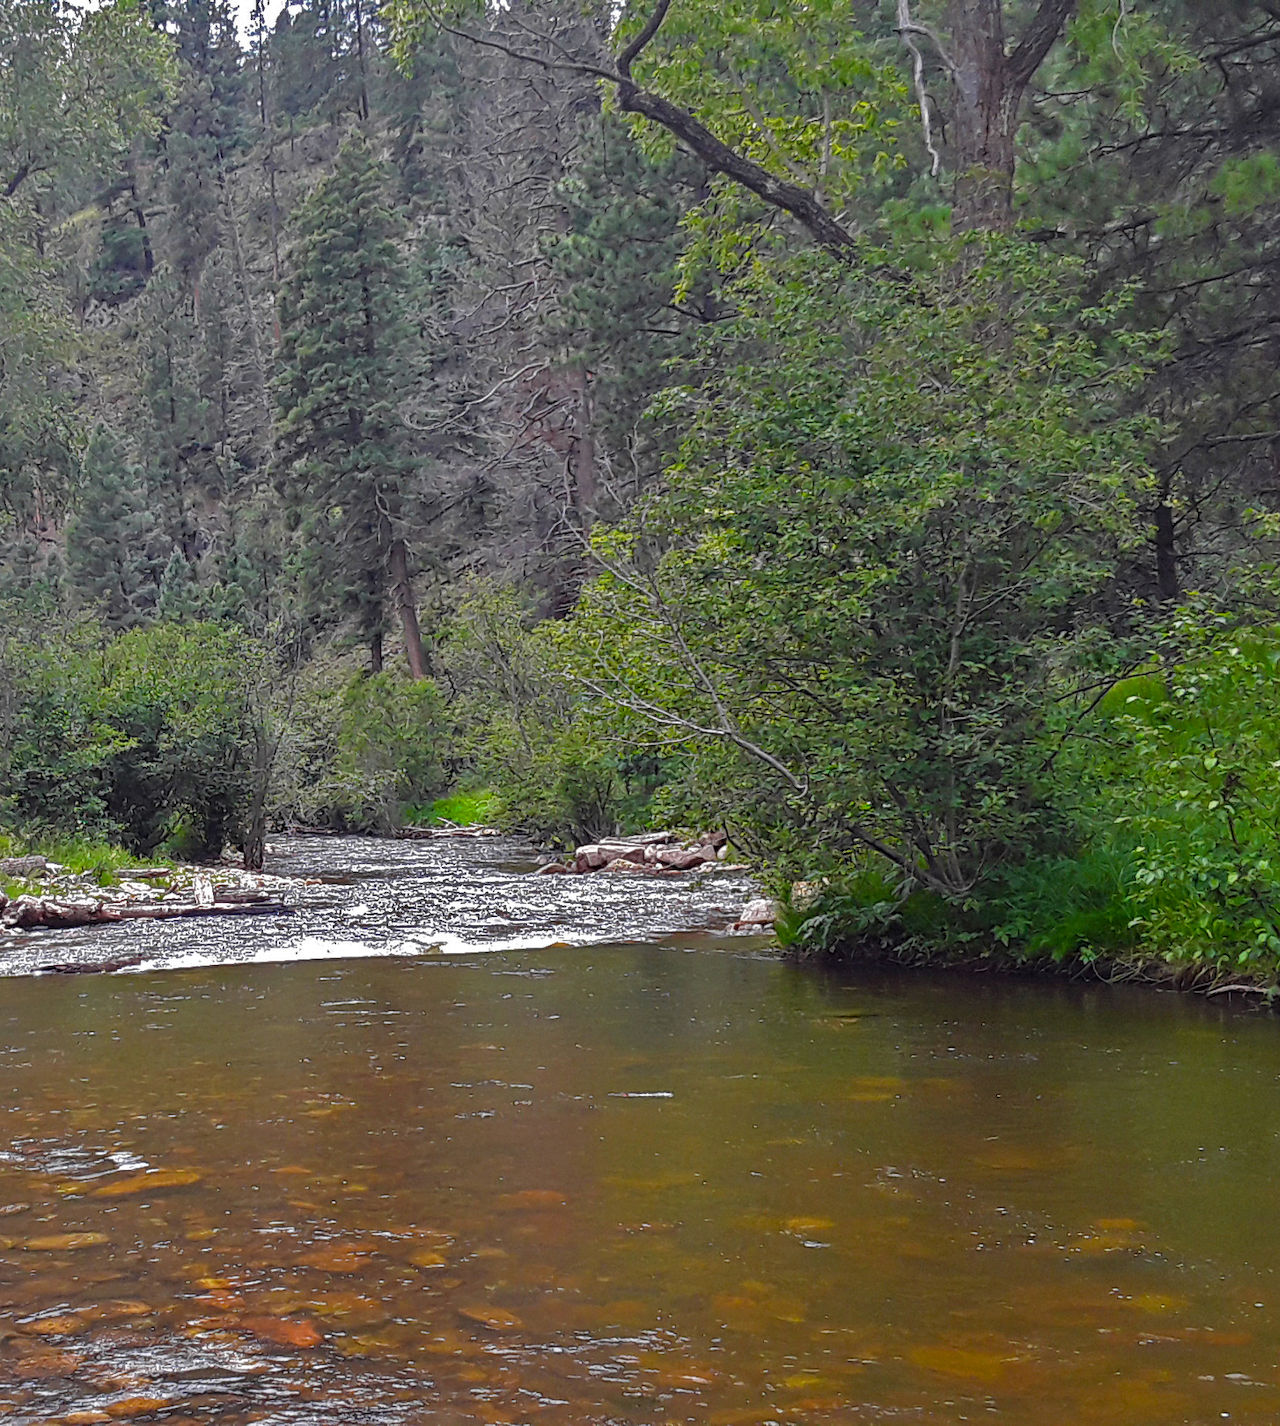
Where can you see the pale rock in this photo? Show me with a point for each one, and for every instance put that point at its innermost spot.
(758, 913)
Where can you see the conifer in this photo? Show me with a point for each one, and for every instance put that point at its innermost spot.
(342, 452)
(111, 557)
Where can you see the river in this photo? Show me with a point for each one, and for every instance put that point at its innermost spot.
(454, 1145)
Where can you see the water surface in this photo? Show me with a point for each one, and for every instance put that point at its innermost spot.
(618, 1184)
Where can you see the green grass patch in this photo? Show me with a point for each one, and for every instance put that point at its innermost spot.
(84, 856)
(477, 808)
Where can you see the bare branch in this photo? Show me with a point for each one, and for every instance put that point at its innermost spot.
(908, 31)
(492, 42)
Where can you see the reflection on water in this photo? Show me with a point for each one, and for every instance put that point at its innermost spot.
(618, 1185)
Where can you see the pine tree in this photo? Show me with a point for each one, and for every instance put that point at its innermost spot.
(342, 451)
(111, 555)
(205, 129)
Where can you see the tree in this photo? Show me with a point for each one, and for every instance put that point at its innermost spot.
(342, 450)
(779, 102)
(112, 560)
(76, 87)
(864, 605)
(1152, 150)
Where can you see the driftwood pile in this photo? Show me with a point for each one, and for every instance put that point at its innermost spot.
(655, 853)
(60, 900)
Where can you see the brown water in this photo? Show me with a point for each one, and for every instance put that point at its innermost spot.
(629, 1184)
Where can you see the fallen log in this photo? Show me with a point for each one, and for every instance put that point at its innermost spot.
(22, 866)
(163, 912)
(239, 896)
(90, 967)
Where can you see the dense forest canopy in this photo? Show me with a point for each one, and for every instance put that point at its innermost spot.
(855, 427)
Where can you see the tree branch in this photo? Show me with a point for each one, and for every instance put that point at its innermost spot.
(651, 27)
(1037, 40)
(907, 30)
(791, 198)
(720, 158)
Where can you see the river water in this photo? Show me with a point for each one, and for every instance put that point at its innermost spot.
(454, 1146)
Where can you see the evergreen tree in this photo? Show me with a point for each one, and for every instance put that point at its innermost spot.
(342, 450)
(205, 129)
(111, 556)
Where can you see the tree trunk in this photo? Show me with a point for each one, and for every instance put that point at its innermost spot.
(987, 88)
(983, 119)
(1166, 549)
(582, 449)
(375, 651)
(402, 593)
(253, 844)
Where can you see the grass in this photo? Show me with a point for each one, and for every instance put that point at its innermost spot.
(475, 808)
(81, 855)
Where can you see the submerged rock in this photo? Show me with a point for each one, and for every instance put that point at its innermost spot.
(65, 1242)
(153, 1181)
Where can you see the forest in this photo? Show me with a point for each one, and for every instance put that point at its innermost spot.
(854, 428)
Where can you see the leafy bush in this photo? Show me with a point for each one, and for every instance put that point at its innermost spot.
(1204, 787)
(131, 739)
(868, 576)
(475, 808)
(358, 750)
(557, 771)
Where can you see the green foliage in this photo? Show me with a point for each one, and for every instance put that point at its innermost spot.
(557, 774)
(476, 808)
(359, 751)
(342, 454)
(112, 542)
(77, 87)
(137, 739)
(120, 267)
(868, 578)
(1204, 788)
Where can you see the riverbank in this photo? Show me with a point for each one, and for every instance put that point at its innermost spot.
(38, 892)
(1206, 980)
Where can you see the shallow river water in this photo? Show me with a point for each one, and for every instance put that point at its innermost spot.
(364, 1165)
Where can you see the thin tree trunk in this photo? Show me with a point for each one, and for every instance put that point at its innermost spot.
(582, 449)
(402, 594)
(1166, 550)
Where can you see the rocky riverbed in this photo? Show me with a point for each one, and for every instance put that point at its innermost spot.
(335, 897)
(42, 893)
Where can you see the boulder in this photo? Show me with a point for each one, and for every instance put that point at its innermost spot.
(684, 858)
(633, 856)
(552, 869)
(758, 915)
(625, 864)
